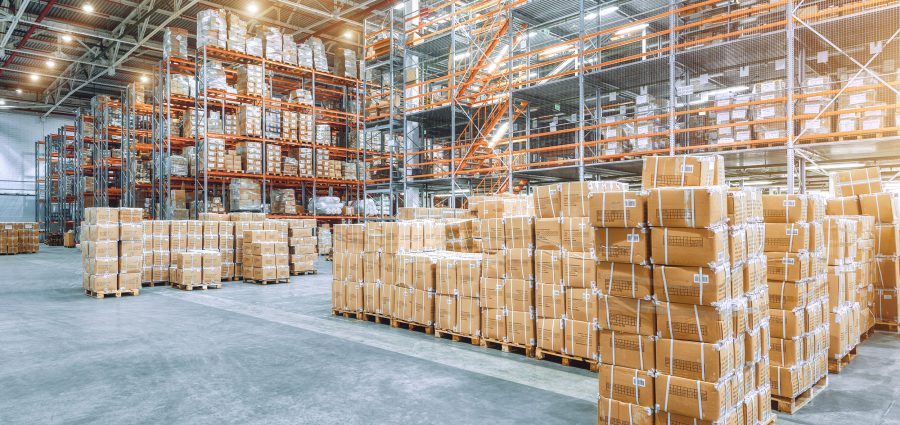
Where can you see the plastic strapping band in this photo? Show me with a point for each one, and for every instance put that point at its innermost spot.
(612, 271)
(693, 210)
(606, 300)
(700, 271)
(631, 250)
(613, 343)
(641, 349)
(666, 244)
(697, 318)
(702, 363)
(637, 324)
(699, 402)
(624, 210)
(659, 207)
(633, 283)
(606, 245)
(603, 210)
(609, 409)
(666, 402)
(672, 356)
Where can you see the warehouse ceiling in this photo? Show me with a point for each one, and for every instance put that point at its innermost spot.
(56, 54)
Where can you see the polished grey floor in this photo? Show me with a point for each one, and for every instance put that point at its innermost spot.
(274, 354)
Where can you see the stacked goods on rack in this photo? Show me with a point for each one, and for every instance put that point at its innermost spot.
(302, 245)
(18, 238)
(112, 255)
(156, 251)
(284, 201)
(226, 249)
(244, 195)
(798, 298)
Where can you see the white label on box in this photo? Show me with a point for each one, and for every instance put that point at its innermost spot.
(701, 278)
(739, 114)
(637, 381)
(812, 108)
(640, 99)
(871, 124)
(687, 168)
(822, 57)
(685, 90)
(554, 258)
(857, 98)
(630, 203)
(8, 227)
(703, 79)
(875, 47)
(722, 117)
(779, 64)
(742, 135)
(744, 71)
(792, 232)
(633, 238)
(771, 134)
(813, 124)
(789, 261)
(847, 125)
(612, 96)
(789, 203)
(888, 297)
(767, 112)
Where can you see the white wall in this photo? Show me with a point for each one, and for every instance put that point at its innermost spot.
(18, 132)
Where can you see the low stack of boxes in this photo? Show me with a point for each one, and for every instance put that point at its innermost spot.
(262, 250)
(798, 296)
(19, 238)
(302, 245)
(251, 156)
(112, 254)
(196, 268)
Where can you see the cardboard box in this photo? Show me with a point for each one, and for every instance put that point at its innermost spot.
(519, 232)
(550, 301)
(784, 208)
(887, 240)
(887, 275)
(683, 170)
(860, 181)
(692, 285)
(611, 411)
(493, 293)
(695, 360)
(787, 237)
(445, 312)
(618, 209)
(626, 315)
(627, 349)
(519, 295)
(493, 235)
(622, 245)
(547, 201)
(469, 320)
(847, 205)
(694, 207)
(627, 385)
(468, 276)
(886, 304)
(551, 335)
(548, 233)
(581, 339)
(577, 234)
(787, 324)
(789, 266)
(520, 328)
(785, 295)
(493, 324)
(885, 207)
(689, 247)
(574, 197)
(548, 266)
(520, 263)
(581, 304)
(694, 323)
(693, 398)
(624, 279)
(578, 270)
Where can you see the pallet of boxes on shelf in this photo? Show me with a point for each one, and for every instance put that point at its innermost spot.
(798, 295)
(112, 253)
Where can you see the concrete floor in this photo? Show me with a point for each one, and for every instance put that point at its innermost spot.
(274, 354)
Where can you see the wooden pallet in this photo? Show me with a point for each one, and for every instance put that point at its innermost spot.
(232, 278)
(117, 294)
(836, 365)
(267, 281)
(566, 359)
(457, 337)
(347, 314)
(153, 284)
(397, 323)
(770, 420)
(791, 405)
(305, 272)
(866, 335)
(374, 318)
(889, 327)
(198, 287)
(508, 347)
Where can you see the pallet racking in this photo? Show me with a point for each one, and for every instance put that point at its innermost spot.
(56, 165)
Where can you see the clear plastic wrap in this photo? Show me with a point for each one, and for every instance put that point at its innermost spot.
(367, 207)
(305, 55)
(325, 205)
(284, 201)
(244, 195)
(178, 165)
(273, 43)
(250, 80)
(345, 63)
(175, 43)
(289, 49)
(320, 60)
(212, 29)
(237, 33)
(215, 76)
(255, 46)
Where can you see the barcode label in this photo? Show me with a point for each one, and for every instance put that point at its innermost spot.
(687, 168)
(639, 382)
(630, 203)
(790, 202)
(792, 232)
(634, 237)
(701, 278)
(788, 261)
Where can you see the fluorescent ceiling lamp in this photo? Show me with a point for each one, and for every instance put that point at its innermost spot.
(253, 8)
(2, 102)
(87, 7)
(735, 89)
(758, 183)
(66, 38)
(18, 91)
(841, 166)
(631, 29)
(603, 12)
(556, 49)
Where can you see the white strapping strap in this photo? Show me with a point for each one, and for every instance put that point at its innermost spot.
(666, 402)
(659, 207)
(669, 319)
(631, 251)
(637, 323)
(603, 210)
(612, 271)
(641, 350)
(672, 356)
(633, 283)
(606, 245)
(606, 301)
(666, 244)
(697, 319)
(613, 343)
(699, 402)
(693, 210)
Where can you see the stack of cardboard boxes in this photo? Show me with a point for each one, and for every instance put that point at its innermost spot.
(264, 257)
(302, 246)
(19, 238)
(346, 285)
(112, 254)
(196, 269)
(798, 295)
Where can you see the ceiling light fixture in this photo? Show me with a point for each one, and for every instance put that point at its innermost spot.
(631, 29)
(841, 166)
(144, 78)
(2, 102)
(51, 64)
(348, 35)
(34, 77)
(253, 8)
(66, 38)
(87, 7)
(399, 6)
(18, 91)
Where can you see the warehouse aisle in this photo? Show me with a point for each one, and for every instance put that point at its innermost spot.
(247, 354)
(274, 354)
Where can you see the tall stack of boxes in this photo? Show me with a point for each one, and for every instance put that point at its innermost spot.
(798, 294)
(112, 254)
(302, 245)
(226, 249)
(346, 285)
(259, 256)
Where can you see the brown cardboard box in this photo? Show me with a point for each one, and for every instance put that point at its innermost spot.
(885, 207)
(547, 201)
(581, 339)
(624, 279)
(694, 323)
(493, 324)
(519, 295)
(622, 245)
(666, 171)
(577, 234)
(784, 208)
(469, 320)
(493, 264)
(887, 240)
(689, 247)
(787, 266)
(520, 263)
(445, 276)
(736, 205)
(445, 312)
(551, 335)
(493, 236)
(626, 315)
(468, 277)
(372, 267)
(574, 197)
(787, 324)
(548, 233)
(581, 304)
(402, 304)
(847, 205)
(627, 385)
(787, 237)
(692, 285)
(353, 290)
(520, 328)
(423, 307)
(611, 411)
(694, 207)
(519, 232)
(550, 301)
(627, 349)
(423, 273)
(886, 304)
(100, 283)
(737, 245)
(372, 297)
(887, 275)
(493, 293)
(790, 295)
(689, 397)
(858, 182)
(695, 360)
(579, 270)
(548, 266)
(618, 209)
(129, 281)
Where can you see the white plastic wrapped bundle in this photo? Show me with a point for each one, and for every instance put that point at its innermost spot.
(289, 49)
(323, 134)
(305, 55)
(178, 165)
(302, 96)
(366, 207)
(212, 29)
(244, 195)
(215, 76)
(320, 60)
(325, 242)
(250, 80)
(273, 43)
(180, 85)
(175, 43)
(255, 46)
(237, 33)
(325, 205)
